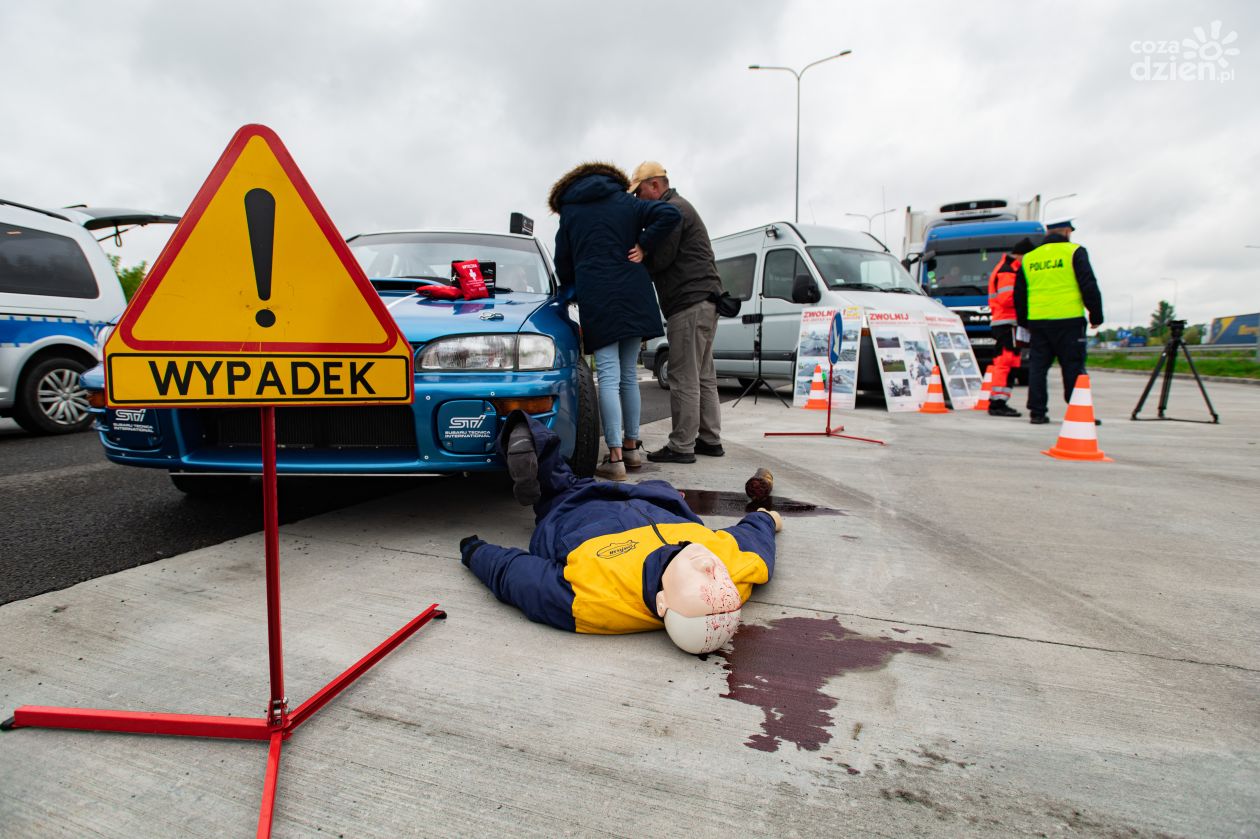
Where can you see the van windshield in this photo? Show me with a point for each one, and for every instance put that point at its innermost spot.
(862, 270)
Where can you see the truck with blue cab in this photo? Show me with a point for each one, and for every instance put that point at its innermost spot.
(952, 251)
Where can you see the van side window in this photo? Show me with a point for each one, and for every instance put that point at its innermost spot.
(782, 266)
(737, 275)
(35, 262)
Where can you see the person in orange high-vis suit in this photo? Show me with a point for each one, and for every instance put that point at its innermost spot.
(1002, 322)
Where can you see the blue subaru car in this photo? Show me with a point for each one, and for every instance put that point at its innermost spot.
(475, 362)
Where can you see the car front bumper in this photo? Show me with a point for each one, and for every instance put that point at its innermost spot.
(451, 427)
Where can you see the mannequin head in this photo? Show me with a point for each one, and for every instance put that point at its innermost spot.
(698, 600)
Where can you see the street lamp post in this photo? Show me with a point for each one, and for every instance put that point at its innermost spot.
(1050, 201)
(1130, 296)
(870, 218)
(797, 216)
(1256, 247)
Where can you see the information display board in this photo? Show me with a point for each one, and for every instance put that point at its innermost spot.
(811, 350)
(961, 377)
(903, 352)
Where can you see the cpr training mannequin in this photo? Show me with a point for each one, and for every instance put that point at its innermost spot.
(610, 558)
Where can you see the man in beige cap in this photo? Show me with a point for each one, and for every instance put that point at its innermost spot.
(687, 284)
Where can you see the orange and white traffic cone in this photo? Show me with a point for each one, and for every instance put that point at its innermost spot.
(982, 404)
(1078, 439)
(935, 403)
(817, 393)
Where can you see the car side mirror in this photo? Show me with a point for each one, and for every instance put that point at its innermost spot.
(804, 290)
(910, 259)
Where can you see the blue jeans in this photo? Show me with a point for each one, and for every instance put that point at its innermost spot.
(619, 390)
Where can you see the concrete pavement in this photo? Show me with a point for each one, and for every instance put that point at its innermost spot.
(963, 637)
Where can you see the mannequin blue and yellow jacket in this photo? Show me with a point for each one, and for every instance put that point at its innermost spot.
(595, 561)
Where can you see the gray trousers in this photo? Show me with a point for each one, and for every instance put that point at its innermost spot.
(693, 396)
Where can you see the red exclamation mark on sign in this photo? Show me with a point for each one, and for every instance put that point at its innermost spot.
(260, 218)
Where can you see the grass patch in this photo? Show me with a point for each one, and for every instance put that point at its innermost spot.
(1234, 365)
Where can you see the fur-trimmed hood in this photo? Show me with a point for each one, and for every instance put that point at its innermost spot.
(584, 170)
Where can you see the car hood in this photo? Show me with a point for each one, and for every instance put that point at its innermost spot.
(422, 319)
(883, 301)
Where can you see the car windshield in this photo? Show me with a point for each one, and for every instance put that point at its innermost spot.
(862, 270)
(961, 274)
(518, 264)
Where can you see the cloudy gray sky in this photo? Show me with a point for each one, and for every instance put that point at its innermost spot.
(453, 114)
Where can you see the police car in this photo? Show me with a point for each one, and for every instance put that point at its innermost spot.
(475, 362)
(57, 291)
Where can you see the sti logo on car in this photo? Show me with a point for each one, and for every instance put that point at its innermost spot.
(129, 414)
(468, 428)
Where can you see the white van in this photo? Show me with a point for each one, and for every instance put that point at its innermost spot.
(777, 270)
(57, 291)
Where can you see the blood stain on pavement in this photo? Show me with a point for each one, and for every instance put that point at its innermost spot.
(782, 668)
(707, 502)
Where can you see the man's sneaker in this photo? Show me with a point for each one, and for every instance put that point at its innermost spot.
(1038, 419)
(667, 455)
(522, 463)
(1001, 409)
(611, 470)
(710, 449)
(633, 458)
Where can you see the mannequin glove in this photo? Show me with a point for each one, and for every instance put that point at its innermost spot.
(774, 514)
(468, 545)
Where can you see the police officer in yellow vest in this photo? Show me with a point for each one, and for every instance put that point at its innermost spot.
(1054, 289)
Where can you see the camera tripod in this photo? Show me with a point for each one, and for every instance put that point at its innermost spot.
(758, 382)
(1169, 356)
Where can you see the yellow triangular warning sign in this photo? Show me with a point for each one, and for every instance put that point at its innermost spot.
(256, 299)
(255, 265)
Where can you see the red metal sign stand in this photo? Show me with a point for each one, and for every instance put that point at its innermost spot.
(279, 723)
(829, 431)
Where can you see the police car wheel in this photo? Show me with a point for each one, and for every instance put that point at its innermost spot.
(209, 486)
(50, 399)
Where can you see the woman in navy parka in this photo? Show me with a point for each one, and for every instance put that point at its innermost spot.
(599, 265)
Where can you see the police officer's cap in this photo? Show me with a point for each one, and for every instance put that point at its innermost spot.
(1067, 222)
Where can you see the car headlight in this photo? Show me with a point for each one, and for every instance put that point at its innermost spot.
(489, 352)
(535, 352)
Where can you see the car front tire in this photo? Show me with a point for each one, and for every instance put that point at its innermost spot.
(51, 400)
(587, 434)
